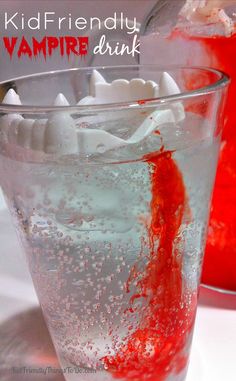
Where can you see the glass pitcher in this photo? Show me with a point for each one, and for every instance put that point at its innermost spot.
(203, 33)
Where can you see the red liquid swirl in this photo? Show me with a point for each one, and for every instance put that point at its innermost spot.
(157, 348)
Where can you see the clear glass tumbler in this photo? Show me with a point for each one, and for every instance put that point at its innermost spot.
(114, 234)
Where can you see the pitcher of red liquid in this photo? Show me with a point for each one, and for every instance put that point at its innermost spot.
(193, 32)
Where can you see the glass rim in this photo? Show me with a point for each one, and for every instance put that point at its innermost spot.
(222, 81)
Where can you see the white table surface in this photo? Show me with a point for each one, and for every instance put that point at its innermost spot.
(213, 355)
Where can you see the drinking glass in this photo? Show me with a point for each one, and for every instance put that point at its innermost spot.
(114, 235)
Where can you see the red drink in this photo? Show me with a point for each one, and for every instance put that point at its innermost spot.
(219, 268)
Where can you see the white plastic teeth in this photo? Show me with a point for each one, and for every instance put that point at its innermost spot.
(11, 98)
(167, 86)
(9, 123)
(120, 90)
(59, 134)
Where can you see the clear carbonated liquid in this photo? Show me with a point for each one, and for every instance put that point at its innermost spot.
(83, 226)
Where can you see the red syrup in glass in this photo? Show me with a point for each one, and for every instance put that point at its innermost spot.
(159, 346)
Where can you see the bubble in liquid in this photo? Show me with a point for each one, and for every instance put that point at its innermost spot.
(100, 148)
(89, 218)
(87, 250)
